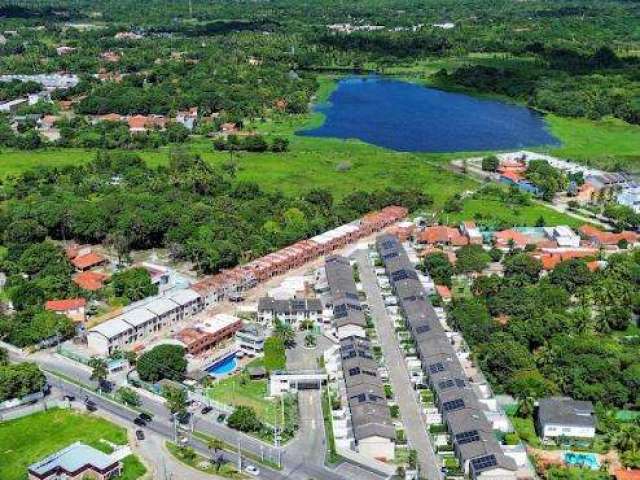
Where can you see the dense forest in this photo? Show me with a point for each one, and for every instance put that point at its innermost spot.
(242, 59)
(200, 213)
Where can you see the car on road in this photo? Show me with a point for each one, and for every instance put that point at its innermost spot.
(147, 417)
(139, 434)
(206, 410)
(140, 422)
(91, 405)
(221, 418)
(252, 470)
(70, 398)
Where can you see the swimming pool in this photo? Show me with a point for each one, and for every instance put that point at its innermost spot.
(223, 366)
(588, 460)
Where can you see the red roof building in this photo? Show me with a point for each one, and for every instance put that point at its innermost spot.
(72, 308)
(91, 281)
(504, 239)
(627, 474)
(443, 235)
(88, 260)
(600, 238)
(444, 292)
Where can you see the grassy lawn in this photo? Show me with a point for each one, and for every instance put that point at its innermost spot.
(198, 462)
(235, 391)
(29, 439)
(607, 144)
(513, 214)
(132, 468)
(525, 429)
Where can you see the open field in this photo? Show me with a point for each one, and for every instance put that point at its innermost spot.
(236, 390)
(29, 439)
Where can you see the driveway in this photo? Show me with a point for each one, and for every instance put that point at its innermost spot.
(412, 418)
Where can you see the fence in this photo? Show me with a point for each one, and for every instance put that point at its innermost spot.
(33, 408)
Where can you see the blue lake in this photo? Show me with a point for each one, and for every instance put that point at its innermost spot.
(407, 117)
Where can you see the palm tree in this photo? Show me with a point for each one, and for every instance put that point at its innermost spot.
(285, 333)
(99, 370)
(310, 340)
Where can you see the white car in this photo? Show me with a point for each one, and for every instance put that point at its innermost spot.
(251, 470)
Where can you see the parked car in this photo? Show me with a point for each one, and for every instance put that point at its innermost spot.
(70, 398)
(140, 422)
(252, 470)
(221, 418)
(206, 410)
(91, 405)
(139, 434)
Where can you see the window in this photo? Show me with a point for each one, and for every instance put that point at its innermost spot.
(482, 463)
(452, 405)
(467, 437)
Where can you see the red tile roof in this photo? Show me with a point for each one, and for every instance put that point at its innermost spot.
(91, 259)
(607, 238)
(520, 239)
(64, 305)
(622, 474)
(513, 176)
(443, 291)
(90, 280)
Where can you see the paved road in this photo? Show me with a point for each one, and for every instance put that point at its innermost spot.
(413, 420)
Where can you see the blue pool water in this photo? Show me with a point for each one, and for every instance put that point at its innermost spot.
(224, 366)
(588, 460)
(407, 117)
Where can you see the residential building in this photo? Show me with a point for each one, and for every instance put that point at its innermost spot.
(442, 235)
(472, 232)
(12, 106)
(348, 316)
(507, 238)
(74, 308)
(292, 311)
(564, 417)
(563, 236)
(630, 197)
(76, 462)
(598, 238)
(250, 339)
(627, 474)
(142, 320)
(606, 181)
(88, 261)
(457, 396)
(232, 282)
(206, 335)
(373, 431)
(89, 280)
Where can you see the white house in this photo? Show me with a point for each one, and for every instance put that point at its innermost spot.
(564, 417)
(563, 236)
(630, 197)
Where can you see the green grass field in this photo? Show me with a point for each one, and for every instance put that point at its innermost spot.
(251, 393)
(29, 439)
(512, 214)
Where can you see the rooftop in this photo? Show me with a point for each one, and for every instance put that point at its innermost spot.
(72, 459)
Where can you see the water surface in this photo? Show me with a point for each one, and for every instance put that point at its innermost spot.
(407, 117)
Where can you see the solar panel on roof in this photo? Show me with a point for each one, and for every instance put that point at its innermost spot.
(374, 398)
(444, 384)
(467, 437)
(452, 405)
(436, 367)
(354, 371)
(351, 295)
(423, 329)
(482, 463)
(390, 255)
(360, 398)
(459, 382)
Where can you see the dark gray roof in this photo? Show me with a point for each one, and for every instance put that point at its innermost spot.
(347, 309)
(456, 400)
(565, 411)
(289, 307)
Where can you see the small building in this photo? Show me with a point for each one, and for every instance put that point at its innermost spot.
(291, 311)
(564, 417)
(74, 308)
(627, 474)
(75, 462)
(89, 280)
(207, 335)
(12, 106)
(563, 236)
(250, 339)
(88, 261)
(630, 197)
(444, 293)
